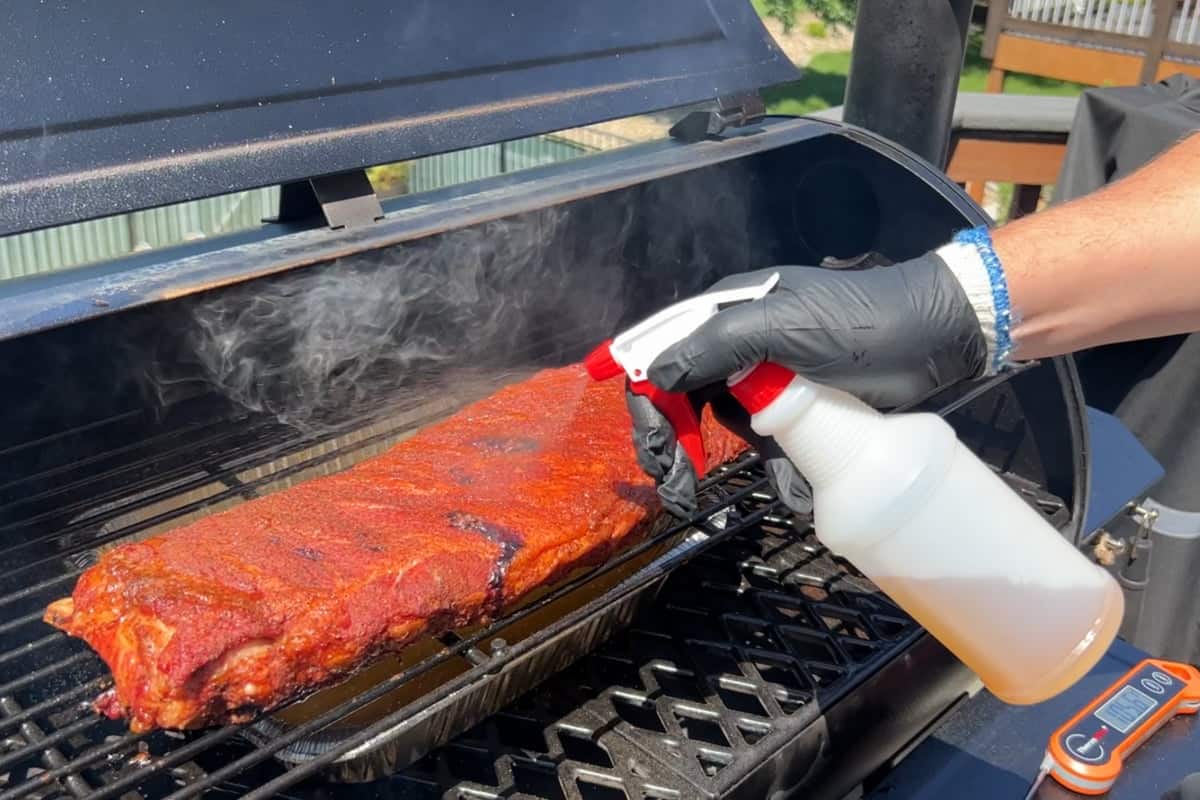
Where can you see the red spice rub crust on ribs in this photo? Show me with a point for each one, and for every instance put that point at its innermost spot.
(252, 607)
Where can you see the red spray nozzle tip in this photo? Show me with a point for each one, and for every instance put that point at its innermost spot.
(600, 364)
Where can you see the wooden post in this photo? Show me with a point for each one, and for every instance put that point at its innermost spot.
(995, 81)
(997, 12)
(973, 188)
(1025, 201)
(1164, 11)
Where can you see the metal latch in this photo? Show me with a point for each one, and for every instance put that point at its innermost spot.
(345, 199)
(1109, 548)
(733, 111)
(1145, 518)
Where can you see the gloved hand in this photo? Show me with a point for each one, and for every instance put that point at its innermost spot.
(661, 457)
(890, 335)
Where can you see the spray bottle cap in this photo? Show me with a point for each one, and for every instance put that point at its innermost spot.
(758, 386)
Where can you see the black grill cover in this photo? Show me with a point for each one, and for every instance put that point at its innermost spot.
(1152, 386)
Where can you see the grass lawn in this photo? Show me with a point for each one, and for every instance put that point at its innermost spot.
(824, 83)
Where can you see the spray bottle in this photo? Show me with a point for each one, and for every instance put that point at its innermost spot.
(915, 510)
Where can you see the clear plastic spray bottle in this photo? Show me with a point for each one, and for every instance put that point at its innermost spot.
(916, 511)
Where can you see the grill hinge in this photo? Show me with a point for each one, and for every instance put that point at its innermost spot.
(345, 200)
(733, 111)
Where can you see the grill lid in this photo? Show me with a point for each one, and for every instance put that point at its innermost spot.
(121, 105)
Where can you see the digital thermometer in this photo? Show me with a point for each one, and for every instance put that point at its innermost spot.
(1085, 754)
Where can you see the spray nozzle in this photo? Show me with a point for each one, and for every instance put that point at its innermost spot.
(634, 350)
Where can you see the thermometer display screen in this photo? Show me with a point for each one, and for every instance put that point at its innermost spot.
(1125, 709)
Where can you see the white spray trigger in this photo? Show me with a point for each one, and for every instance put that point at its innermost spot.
(636, 348)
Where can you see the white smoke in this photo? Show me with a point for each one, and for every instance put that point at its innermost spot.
(536, 289)
(331, 337)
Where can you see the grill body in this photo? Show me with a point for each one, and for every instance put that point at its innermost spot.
(738, 662)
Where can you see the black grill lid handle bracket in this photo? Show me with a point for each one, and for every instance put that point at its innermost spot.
(733, 111)
(345, 200)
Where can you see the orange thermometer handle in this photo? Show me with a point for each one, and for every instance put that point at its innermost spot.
(1088, 750)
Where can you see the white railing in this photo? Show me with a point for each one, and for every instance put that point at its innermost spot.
(1186, 25)
(1130, 17)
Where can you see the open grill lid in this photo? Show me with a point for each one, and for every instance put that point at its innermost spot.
(120, 105)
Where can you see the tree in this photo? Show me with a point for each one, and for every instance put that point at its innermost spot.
(831, 12)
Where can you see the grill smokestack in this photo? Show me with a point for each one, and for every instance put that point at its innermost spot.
(904, 70)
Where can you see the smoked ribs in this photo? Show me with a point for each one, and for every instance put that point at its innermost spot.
(246, 609)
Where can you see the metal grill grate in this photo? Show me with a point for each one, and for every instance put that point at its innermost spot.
(51, 742)
(747, 642)
(52, 521)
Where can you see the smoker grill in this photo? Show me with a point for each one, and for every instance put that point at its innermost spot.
(729, 656)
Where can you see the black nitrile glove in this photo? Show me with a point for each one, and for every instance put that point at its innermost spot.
(890, 335)
(664, 460)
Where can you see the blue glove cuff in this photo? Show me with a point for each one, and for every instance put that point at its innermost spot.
(973, 260)
(981, 239)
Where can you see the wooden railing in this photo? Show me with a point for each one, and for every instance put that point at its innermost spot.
(1007, 141)
(1028, 161)
(1093, 42)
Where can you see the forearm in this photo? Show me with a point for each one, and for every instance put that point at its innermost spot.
(1120, 264)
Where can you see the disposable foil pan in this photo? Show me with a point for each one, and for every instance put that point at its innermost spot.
(451, 698)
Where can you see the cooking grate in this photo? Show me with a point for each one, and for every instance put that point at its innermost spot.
(749, 642)
(709, 693)
(745, 646)
(51, 526)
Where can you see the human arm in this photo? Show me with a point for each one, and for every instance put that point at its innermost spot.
(1119, 264)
